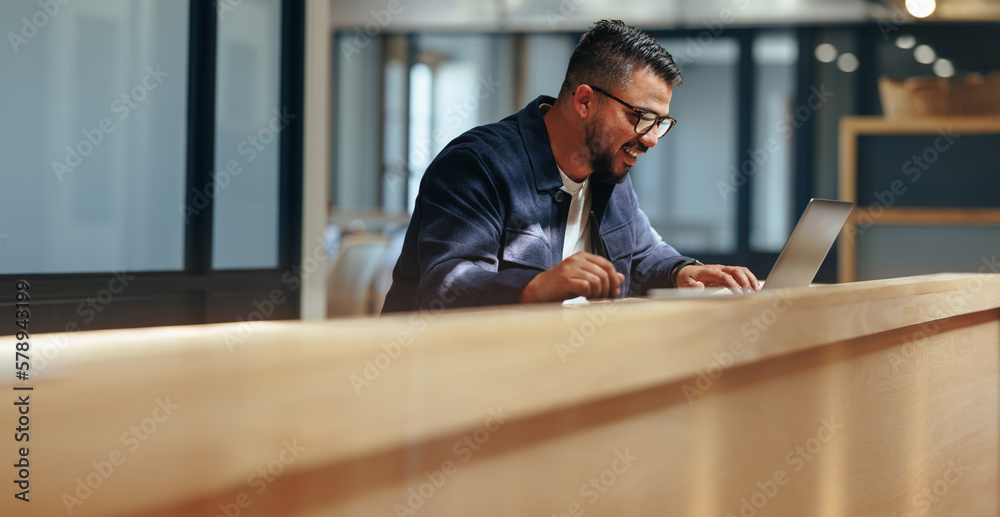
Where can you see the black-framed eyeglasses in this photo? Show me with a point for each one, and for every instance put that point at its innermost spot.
(646, 119)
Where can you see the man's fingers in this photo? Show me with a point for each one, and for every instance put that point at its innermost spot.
(741, 279)
(583, 274)
(685, 278)
(610, 279)
(736, 279)
(745, 278)
(579, 287)
(731, 283)
(596, 283)
(614, 278)
(604, 283)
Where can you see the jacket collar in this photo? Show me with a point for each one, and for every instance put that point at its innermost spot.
(543, 162)
(537, 145)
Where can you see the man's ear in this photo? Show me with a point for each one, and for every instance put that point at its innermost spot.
(584, 100)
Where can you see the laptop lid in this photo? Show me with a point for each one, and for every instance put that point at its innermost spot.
(800, 258)
(809, 243)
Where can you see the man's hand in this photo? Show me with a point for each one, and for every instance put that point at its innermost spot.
(581, 274)
(737, 279)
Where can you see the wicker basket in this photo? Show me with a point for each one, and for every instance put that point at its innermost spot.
(965, 95)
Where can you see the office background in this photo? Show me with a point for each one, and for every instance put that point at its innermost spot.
(178, 162)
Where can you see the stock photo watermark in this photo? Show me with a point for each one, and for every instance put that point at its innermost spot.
(362, 37)
(292, 280)
(22, 359)
(249, 147)
(455, 118)
(93, 137)
(262, 478)
(597, 316)
(893, 22)
(786, 127)
(92, 305)
(796, 459)
(103, 469)
(598, 485)
(911, 345)
(22, 435)
(752, 331)
(88, 309)
(913, 169)
(463, 449)
(934, 492)
(30, 26)
(224, 7)
(566, 8)
(418, 323)
(714, 28)
(927, 332)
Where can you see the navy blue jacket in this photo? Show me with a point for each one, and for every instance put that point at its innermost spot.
(490, 216)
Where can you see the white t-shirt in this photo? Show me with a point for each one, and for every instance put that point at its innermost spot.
(578, 221)
(577, 236)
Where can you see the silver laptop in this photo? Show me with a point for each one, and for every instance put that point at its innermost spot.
(803, 253)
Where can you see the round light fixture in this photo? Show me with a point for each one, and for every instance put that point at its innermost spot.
(826, 52)
(921, 8)
(924, 54)
(847, 62)
(906, 42)
(944, 68)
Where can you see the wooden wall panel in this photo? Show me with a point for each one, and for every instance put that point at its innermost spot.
(268, 421)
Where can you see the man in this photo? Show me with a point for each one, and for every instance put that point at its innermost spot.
(539, 207)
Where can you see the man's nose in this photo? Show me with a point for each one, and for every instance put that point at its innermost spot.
(649, 138)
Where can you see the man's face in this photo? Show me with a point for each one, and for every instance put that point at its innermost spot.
(613, 144)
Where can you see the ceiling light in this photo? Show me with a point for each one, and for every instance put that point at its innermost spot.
(920, 8)
(924, 54)
(847, 62)
(826, 52)
(944, 68)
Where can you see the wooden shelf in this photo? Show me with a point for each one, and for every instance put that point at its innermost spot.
(876, 214)
(929, 216)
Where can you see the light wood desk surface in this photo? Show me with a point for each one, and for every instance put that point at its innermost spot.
(836, 400)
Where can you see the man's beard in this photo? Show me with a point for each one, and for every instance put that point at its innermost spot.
(603, 158)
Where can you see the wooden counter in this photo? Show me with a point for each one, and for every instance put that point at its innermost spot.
(873, 398)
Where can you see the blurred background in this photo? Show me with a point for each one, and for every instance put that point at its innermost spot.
(154, 150)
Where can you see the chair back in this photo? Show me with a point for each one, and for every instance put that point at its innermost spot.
(348, 286)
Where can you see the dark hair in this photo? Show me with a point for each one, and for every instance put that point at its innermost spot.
(611, 52)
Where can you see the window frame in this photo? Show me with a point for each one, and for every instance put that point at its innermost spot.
(197, 294)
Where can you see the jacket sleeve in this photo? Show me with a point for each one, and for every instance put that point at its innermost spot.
(461, 217)
(653, 259)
